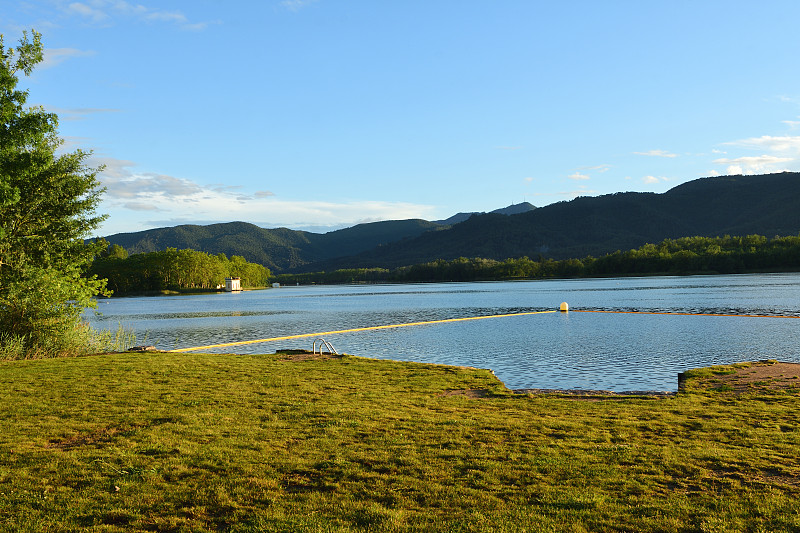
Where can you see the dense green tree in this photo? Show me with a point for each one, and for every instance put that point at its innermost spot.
(114, 251)
(173, 269)
(47, 208)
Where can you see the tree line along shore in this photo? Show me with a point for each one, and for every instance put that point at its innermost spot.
(688, 255)
(173, 269)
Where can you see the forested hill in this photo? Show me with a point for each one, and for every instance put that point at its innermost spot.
(278, 249)
(283, 249)
(734, 205)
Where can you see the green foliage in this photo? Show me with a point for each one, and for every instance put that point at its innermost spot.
(114, 251)
(688, 255)
(47, 208)
(173, 269)
(728, 255)
(77, 341)
(13, 118)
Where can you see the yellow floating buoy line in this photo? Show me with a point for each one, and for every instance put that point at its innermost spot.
(678, 313)
(369, 328)
(563, 308)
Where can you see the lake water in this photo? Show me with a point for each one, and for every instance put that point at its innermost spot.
(611, 351)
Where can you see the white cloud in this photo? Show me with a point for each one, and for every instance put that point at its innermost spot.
(104, 12)
(152, 186)
(225, 188)
(166, 16)
(734, 170)
(78, 113)
(140, 206)
(793, 124)
(654, 179)
(296, 5)
(758, 160)
(176, 18)
(657, 153)
(753, 164)
(786, 143)
(784, 150)
(598, 168)
(114, 168)
(89, 12)
(56, 56)
(183, 199)
(581, 191)
(578, 176)
(123, 184)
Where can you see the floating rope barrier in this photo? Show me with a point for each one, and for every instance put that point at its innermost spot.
(563, 309)
(678, 313)
(369, 328)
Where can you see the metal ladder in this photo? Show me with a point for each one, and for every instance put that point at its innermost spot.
(326, 344)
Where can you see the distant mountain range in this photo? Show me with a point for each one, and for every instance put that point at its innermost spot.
(284, 249)
(734, 205)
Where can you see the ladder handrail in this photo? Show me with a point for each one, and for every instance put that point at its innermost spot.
(326, 344)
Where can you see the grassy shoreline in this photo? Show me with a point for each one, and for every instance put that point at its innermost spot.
(178, 292)
(197, 442)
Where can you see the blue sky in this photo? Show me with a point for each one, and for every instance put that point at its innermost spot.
(317, 114)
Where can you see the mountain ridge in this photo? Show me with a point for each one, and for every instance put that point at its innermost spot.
(734, 205)
(513, 209)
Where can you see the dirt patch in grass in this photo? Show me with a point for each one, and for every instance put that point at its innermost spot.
(104, 435)
(305, 355)
(93, 438)
(574, 394)
(467, 393)
(595, 395)
(752, 377)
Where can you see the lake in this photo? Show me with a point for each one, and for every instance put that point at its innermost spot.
(575, 350)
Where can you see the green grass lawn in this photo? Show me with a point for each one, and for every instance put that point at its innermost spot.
(195, 442)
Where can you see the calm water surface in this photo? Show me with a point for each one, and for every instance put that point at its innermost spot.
(575, 350)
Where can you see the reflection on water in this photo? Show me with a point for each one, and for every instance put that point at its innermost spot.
(189, 314)
(575, 350)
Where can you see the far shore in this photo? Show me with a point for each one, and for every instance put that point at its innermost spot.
(178, 292)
